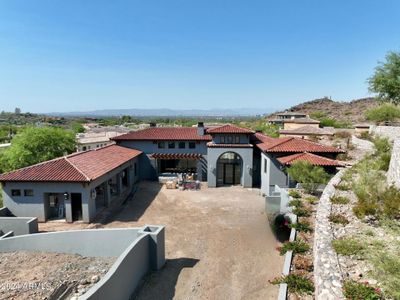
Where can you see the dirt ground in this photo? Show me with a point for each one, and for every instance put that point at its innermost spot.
(36, 275)
(218, 242)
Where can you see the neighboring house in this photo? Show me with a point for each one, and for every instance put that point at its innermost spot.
(224, 155)
(98, 137)
(360, 128)
(287, 115)
(306, 131)
(73, 187)
(291, 124)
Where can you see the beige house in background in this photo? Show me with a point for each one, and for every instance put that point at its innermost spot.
(296, 123)
(307, 132)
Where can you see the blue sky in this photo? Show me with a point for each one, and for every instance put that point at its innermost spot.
(85, 55)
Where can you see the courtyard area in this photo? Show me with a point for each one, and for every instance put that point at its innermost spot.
(218, 242)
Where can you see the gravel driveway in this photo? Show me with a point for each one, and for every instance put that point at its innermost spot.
(218, 242)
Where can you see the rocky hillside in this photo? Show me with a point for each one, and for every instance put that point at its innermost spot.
(352, 111)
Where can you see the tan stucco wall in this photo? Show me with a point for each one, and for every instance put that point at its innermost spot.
(290, 126)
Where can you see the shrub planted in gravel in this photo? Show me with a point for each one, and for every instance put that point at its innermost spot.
(295, 203)
(339, 200)
(301, 212)
(294, 194)
(298, 246)
(302, 226)
(347, 246)
(338, 219)
(311, 199)
(296, 284)
(354, 290)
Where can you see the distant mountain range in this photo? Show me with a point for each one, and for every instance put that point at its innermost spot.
(136, 112)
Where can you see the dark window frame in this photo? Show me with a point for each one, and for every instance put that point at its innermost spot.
(161, 145)
(16, 193)
(28, 193)
(192, 145)
(171, 145)
(182, 145)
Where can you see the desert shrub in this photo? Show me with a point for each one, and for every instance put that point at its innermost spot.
(383, 151)
(297, 246)
(386, 269)
(390, 200)
(308, 175)
(302, 262)
(382, 113)
(354, 290)
(302, 226)
(294, 194)
(301, 212)
(338, 219)
(339, 200)
(295, 203)
(296, 284)
(365, 135)
(311, 199)
(347, 246)
(343, 186)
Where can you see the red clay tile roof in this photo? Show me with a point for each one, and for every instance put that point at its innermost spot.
(291, 144)
(176, 156)
(77, 167)
(164, 134)
(315, 160)
(213, 145)
(229, 128)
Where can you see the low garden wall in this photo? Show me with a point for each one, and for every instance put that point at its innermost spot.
(19, 225)
(327, 274)
(390, 132)
(139, 251)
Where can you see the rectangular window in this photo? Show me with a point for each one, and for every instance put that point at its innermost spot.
(265, 165)
(15, 192)
(28, 193)
(161, 145)
(222, 139)
(182, 145)
(171, 145)
(237, 139)
(229, 139)
(192, 145)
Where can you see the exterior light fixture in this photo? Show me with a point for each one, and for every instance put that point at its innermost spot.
(66, 196)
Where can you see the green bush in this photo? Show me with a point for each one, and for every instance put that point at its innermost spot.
(311, 199)
(308, 175)
(347, 246)
(339, 200)
(302, 226)
(297, 284)
(298, 246)
(301, 212)
(295, 203)
(354, 290)
(338, 219)
(390, 201)
(294, 194)
(343, 186)
(386, 269)
(382, 113)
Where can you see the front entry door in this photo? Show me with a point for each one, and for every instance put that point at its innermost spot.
(231, 174)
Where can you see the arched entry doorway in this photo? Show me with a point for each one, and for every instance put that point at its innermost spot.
(229, 169)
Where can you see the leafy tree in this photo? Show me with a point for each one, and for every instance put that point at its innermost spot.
(77, 127)
(308, 175)
(384, 112)
(34, 145)
(386, 79)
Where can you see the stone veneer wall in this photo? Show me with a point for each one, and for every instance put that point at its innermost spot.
(327, 273)
(393, 174)
(391, 132)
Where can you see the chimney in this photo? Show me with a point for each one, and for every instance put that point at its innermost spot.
(153, 124)
(200, 128)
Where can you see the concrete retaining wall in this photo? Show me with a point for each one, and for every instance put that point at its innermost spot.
(139, 251)
(19, 226)
(393, 174)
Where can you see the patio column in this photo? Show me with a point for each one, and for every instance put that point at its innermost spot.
(119, 183)
(107, 193)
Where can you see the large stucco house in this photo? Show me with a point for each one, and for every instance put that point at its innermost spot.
(79, 185)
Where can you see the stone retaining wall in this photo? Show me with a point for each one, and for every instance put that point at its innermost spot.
(327, 275)
(393, 174)
(391, 132)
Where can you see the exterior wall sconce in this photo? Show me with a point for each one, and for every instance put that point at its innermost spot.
(66, 196)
